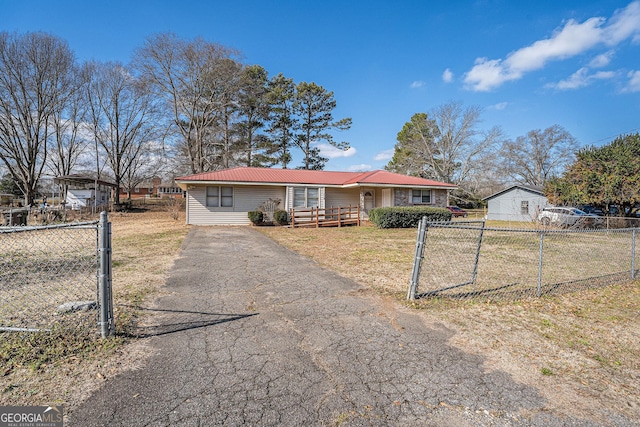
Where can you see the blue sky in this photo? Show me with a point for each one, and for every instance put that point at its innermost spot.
(529, 65)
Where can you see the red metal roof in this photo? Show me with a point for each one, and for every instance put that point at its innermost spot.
(296, 176)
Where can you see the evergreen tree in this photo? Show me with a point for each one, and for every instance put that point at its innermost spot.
(253, 113)
(603, 176)
(281, 117)
(314, 107)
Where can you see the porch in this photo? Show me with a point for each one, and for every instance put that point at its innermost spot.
(325, 217)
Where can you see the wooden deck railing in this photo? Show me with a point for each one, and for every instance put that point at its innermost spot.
(325, 217)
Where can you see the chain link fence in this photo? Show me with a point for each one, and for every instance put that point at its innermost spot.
(57, 275)
(469, 260)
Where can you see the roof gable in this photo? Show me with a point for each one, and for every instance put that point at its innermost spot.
(528, 188)
(311, 177)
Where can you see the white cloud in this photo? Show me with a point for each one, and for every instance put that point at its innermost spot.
(331, 152)
(417, 84)
(623, 25)
(582, 78)
(500, 106)
(359, 168)
(634, 82)
(487, 74)
(447, 76)
(572, 39)
(384, 155)
(602, 60)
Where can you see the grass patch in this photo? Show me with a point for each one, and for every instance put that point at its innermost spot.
(40, 350)
(546, 371)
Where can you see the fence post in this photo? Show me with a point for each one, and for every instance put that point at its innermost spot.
(633, 254)
(106, 322)
(417, 261)
(540, 264)
(474, 273)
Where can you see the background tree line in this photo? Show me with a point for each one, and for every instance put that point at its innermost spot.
(180, 107)
(447, 144)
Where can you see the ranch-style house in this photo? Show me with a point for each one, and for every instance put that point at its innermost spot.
(225, 197)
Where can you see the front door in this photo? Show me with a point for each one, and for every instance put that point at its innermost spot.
(369, 201)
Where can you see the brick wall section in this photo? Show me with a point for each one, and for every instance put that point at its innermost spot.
(402, 197)
(440, 198)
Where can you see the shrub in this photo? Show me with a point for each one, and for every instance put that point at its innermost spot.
(406, 216)
(281, 217)
(256, 217)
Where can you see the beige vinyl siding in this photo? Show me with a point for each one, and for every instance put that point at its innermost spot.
(321, 196)
(245, 198)
(342, 197)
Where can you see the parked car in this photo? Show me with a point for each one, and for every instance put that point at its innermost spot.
(568, 217)
(456, 211)
(591, 210)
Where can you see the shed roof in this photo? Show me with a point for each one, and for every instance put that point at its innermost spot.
(79, 179)
(529, 188)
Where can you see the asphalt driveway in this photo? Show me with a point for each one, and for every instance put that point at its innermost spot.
(249, 333)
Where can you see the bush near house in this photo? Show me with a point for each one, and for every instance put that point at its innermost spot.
(281, 217)
(256, 217)
(406, 217)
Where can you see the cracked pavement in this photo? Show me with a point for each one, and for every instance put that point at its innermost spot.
(247, 332)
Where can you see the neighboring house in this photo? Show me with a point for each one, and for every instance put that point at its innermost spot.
(152, 188)
(516, 203)
(225, 197)
(86, 192)
(6, 199)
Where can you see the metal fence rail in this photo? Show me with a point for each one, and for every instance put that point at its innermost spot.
(467, 259)
(51, 275)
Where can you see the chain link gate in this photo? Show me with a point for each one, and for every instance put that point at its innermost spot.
(56, 276)
(465, 259)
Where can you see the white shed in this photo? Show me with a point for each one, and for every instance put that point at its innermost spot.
(516, 203)
(85, 192)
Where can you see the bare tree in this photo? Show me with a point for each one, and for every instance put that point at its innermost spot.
(123, 117)
(538, 156)
(70, 137)
(144, 165)
(445, 145)
(35, 70)
(183, 73)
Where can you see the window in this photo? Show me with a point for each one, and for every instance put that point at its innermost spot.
(420, 197)
(306, 197)
(312, 197)
(524, 207)
(219, 197)
(226, 197)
